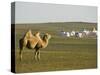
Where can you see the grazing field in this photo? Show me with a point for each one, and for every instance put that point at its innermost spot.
(61, 53)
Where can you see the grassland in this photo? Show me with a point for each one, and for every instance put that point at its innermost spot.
(61, 53)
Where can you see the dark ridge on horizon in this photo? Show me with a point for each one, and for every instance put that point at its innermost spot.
(58, 22)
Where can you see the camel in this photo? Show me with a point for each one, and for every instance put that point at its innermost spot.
(42, 43)
(33, 42)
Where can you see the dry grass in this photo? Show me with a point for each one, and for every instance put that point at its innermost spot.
(61, 53)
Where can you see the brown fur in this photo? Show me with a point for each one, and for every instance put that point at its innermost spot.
(33, 42)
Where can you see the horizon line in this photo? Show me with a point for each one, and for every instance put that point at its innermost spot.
(54, 22)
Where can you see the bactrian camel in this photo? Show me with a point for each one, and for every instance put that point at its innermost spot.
(33, 42)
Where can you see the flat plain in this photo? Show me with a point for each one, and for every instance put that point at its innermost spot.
(62, 53)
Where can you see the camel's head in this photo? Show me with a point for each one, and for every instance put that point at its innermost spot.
(47, 36)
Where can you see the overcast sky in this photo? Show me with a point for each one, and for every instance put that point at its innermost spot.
(27, 12)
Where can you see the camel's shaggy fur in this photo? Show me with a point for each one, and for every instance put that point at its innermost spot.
(33, 42)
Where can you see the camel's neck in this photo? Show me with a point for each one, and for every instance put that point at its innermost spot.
(44, 42)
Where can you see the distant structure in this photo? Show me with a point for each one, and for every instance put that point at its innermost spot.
(72, 33)
(94, 31)
(81, 34)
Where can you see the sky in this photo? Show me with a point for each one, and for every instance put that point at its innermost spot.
(30, 12)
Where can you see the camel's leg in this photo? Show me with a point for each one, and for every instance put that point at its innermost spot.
(35, 55)
(38, 55)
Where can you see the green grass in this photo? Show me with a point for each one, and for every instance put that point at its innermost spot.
(61, 53)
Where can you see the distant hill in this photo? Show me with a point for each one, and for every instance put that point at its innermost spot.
(56, 27)
(62, 23)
